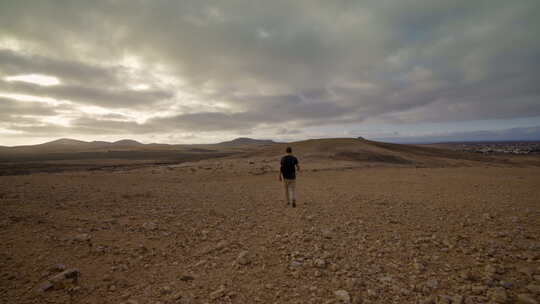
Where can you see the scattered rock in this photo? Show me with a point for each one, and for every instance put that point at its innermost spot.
(186, 278)
(526, 298)
(319, 263)
(457, 299)
(419, 267)
(221, 244)
(343, 296)
(506, 284)
(295, 264)
(165, 290)
(243, 258)
(535, 289)
(57, 268)
(432, 283)
(83, 237)
(490, 269)
(334, 267)
(478, 289)
(60, 279)
(326, 233)
(526, 270)
(47, 285)
(443, 299)
(218, 293)
(466, 275)
(150, 226)
(428, 300)
(498, 295)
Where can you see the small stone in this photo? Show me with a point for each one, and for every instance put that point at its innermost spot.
(432, 283)
(221, 244)
(478, 289)
(243, 258)
(165, 290)
(150, 226)
(490, 269)
(443, 299)
(83, 237)
(419, 266)
(175, 296)
(475, 299)
(326, 233)
(506, 284)
(185, 300)
(57, 268)
(66, 274)
(112, 288)
(466, 275)
(343, 296)
(535, 289)
(529, 271)
(319, 263)
(295, 264)
(45, 286)
(334, 267)
(199, 263)
(526, 298)
(186, 278)
(498, 295)
(457, 299)
(218, 293)
(428, 300)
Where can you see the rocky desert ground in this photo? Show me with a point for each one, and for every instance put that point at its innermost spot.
(376, 223)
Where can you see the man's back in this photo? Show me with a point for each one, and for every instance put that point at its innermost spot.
(288, 163)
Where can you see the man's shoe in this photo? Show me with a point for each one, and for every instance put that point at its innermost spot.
(294, 204)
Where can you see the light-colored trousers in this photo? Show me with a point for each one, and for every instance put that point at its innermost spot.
(290, 189)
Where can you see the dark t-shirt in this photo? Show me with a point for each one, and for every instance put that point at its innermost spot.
(288, 169)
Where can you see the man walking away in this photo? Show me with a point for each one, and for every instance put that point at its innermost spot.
(287, 174)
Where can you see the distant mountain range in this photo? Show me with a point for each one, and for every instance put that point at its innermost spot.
(74, 145)
(244, 141)
(67, 142)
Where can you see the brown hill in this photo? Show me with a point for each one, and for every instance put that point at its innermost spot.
(367, 151)
(345, 151)
(66, 145)
(245, 141)
(127, 143)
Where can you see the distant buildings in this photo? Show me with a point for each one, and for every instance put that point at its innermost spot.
(500, 147)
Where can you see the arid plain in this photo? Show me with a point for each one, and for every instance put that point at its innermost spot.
(376, 223)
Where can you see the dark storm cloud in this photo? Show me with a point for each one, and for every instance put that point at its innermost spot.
(303, 63)
(262, 110)
(84, 126)
(106, 97)
(520, 134)
(12, 63)
(10, 107)
(14, 114)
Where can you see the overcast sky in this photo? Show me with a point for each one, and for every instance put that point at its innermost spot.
(207, 71)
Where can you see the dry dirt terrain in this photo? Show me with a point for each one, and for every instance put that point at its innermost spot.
(374, 224)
